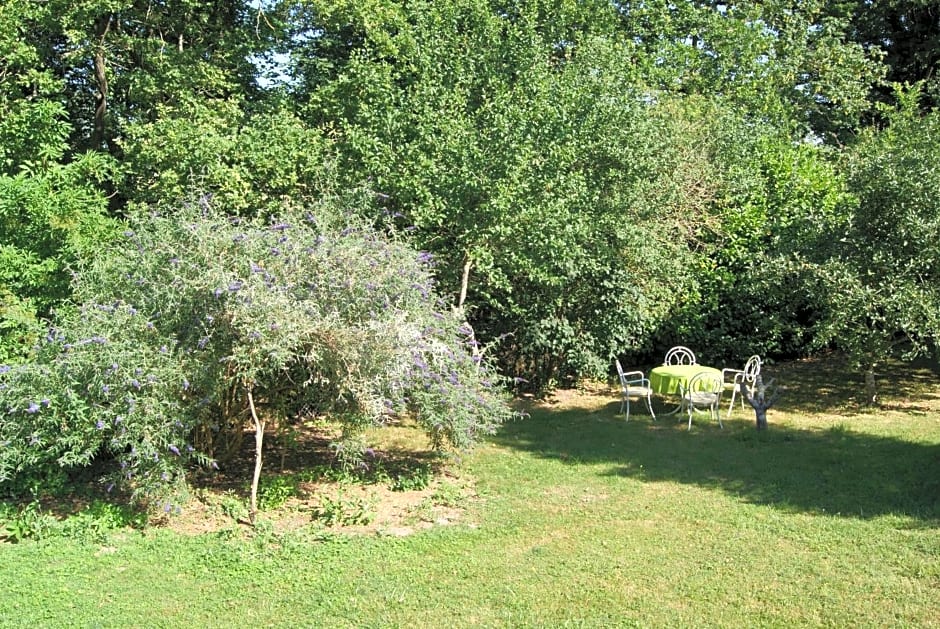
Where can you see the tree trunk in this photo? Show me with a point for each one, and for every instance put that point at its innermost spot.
(464, 281)
(101, 109)
(759, 400)
(871, 389)
(259, 439)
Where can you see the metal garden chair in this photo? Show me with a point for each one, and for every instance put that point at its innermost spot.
(634, 384)
(733, 378)
(680, 355)
(703, 394)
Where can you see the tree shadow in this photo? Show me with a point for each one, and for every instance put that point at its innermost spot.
(829, 384)
(835, 471)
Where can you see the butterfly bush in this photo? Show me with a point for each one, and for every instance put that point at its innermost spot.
(176, 322)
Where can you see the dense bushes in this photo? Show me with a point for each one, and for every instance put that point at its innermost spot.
(189, 313)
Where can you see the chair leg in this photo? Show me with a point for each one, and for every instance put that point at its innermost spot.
(731, 406)
(628, 409)
(649, 405)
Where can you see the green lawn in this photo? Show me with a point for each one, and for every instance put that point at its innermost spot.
(832, 518)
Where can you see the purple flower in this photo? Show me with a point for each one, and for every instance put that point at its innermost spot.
(4, 368)
(99, 425)
(255, 268)
(172, 448)
(128, 234)
(174, 261)
(218, 292)
(45, 402)
(105, 388)
(202, 342)
(235, 286)
(185, 384)
(425, 257)
(163, 349)
(135, 383)
(33, 408)
(280, 226)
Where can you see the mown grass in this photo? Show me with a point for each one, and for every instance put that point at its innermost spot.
(831, 518)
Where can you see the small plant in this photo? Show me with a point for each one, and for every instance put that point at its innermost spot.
(412, 480)
(27, 522)
(274, 491)
(233, 507)
(449, 495)
(344, 511)
(98, 518)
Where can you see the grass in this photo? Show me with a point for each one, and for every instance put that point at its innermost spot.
(831, 518)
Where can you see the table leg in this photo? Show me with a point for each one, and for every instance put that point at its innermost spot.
(678, 406)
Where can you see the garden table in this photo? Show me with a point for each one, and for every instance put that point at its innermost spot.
(669, 380)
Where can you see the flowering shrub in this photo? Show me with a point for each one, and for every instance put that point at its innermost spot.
(176, 324)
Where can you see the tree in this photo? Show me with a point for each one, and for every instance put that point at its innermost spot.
(888, 300)
(513, 142)
(51, 210)
(793, 65)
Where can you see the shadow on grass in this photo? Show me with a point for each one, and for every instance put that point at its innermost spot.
(829, 384)
(835, 471)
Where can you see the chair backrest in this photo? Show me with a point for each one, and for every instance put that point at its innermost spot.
(752, 369)
(680, 355)
(620, 374)
(705, 382)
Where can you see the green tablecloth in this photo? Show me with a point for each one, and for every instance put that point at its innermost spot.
(668, 379)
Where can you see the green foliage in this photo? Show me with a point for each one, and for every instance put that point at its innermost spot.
(793, 65)
(186, 312)
(411, 480)
(250, 164)
(343, 510)
(275, 490)
(884, 283)
(24, 522)
(525, 164)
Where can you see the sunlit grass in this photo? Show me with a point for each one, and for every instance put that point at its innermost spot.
(831, 518)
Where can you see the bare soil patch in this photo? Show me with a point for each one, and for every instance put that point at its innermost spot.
(403, 488)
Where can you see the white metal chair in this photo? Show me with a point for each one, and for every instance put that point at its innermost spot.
(733, 378)
(702, 394)
(680, 355)
(634, 384)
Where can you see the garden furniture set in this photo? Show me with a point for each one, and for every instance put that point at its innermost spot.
(693, 387)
